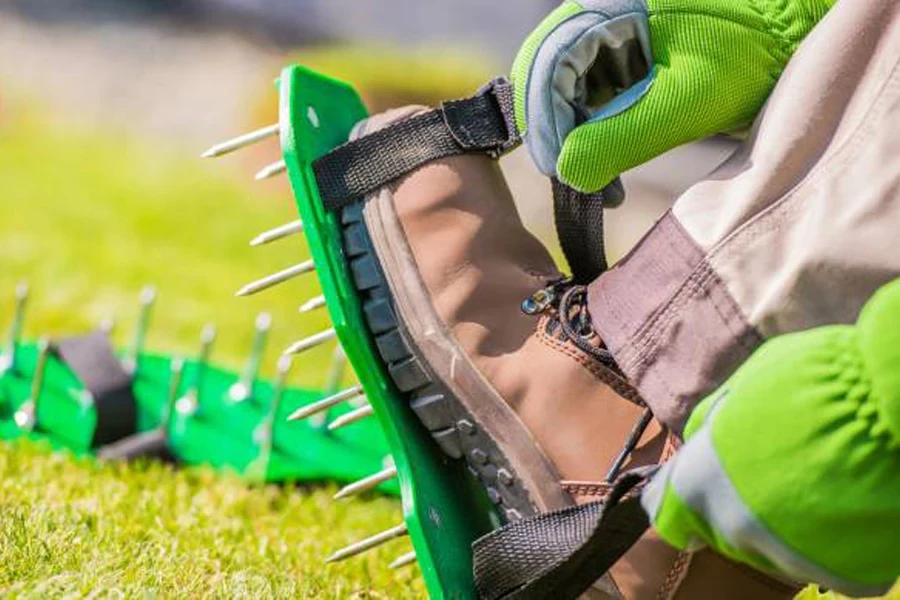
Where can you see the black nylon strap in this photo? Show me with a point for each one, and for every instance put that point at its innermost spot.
(560, 555)
(579, 226)
(482, 123)
(91, 359)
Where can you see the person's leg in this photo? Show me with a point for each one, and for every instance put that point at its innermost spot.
(798, 229)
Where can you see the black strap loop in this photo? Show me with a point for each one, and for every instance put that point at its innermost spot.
(579, 226)
(91, 359)
(482, 123)
(560, 555)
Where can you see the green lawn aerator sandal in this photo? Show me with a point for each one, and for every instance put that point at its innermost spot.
(449, 504)
(78, 394)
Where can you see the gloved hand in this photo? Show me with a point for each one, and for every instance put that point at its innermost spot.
(602, 86)
(794, 464)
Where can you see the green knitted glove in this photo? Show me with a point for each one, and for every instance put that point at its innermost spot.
(605, 85)
(794, 464)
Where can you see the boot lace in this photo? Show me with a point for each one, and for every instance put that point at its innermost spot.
(575, 322)
(567, 304)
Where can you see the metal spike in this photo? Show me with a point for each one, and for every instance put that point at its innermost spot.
(243, 388)
(404, 560)
(313, 304)
(207, 339)
(368, 543)
(177, 369)
(271, 170)
(190, 402)
(332, 384)
(265, 435)
(241, 141)
(336, 370)
(267, 237)
(634, 437)
(326, 403)
(311, 342)
(352, 417)
(148, 298)
(369, 483)
(26, 416)
(8, 359)
(108, 326)
(273, 280)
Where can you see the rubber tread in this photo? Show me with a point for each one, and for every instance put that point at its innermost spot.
(392, 346)
(380, 315)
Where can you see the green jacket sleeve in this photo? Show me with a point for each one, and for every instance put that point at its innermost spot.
(793, 466)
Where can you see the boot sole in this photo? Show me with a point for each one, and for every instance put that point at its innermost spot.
(464, 415)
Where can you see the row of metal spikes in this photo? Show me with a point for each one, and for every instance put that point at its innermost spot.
(325, 404)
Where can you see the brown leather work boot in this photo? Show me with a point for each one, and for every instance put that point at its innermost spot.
(524, 392)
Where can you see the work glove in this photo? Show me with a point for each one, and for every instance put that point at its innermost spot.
(793, 466)
(602, 86)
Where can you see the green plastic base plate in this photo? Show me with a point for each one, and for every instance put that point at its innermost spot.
(443, 510)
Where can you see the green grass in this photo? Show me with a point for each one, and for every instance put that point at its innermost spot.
(89, 218)
(74, 527)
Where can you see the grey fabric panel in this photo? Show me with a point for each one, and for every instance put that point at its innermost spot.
(580, 53)
(670, 323)
(698, 478)
(654, 493)
(566, 54)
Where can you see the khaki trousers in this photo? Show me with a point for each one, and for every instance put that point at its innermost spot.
(796, 230)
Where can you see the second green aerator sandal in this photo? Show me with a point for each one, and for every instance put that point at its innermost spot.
(80, 396)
